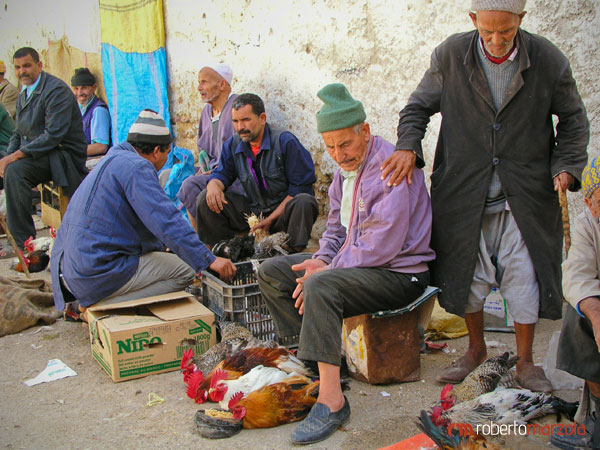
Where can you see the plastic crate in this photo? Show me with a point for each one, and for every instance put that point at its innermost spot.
(241, 301)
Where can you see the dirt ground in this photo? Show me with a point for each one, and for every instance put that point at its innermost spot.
(89, 411)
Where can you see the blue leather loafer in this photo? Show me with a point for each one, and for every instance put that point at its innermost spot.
(320, 423)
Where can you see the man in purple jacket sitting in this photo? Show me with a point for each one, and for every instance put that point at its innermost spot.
(372, 256)
(215, 127)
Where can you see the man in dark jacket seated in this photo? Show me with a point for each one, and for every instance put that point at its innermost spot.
(48, 143)
(276, 172)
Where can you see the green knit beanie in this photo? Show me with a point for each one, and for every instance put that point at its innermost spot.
(340, 109)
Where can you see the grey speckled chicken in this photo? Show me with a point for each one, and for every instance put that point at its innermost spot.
(234, 337)
(491, 373)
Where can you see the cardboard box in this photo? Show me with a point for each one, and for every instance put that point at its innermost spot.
(140, 337)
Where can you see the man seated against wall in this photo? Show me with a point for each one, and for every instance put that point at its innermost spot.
(94, 113)
(214, 128)
(579, 344)
(373, 255)
(110, 245)
(48, 143)
(276, 172)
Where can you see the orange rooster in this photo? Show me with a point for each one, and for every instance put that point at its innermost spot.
(276, 404)
(36, 261)
(234, 367)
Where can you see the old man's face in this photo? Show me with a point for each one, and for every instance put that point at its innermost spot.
(497, 30)
(348, 146)
(209, 84)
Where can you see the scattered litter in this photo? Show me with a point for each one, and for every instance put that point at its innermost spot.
(422, 381)
(35, 346)
(42, 328)
(138, 392)
(385, 394)
(62, 402)
(363, 393)
(355, 432)
(446, 350)
(55, 370)
(453, 350)
(48, 337)
(154, 399)
(494, 344)
(434, 346)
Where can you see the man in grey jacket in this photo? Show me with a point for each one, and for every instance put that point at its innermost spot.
(48, 143)
(498, 162)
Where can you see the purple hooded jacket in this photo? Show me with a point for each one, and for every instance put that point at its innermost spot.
(390, 227)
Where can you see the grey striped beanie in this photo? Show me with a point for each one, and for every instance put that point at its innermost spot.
(513, 6)
(149, 128)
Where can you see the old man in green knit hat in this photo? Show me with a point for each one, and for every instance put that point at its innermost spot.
(373, 255)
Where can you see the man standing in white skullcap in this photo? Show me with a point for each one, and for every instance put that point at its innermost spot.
(498, 163)
(215, 127)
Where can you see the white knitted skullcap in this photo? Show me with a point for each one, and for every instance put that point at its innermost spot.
(149, 128)
(513, 6)
(222, 69)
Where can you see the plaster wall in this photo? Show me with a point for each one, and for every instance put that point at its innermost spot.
(286, 51)
(33, 23)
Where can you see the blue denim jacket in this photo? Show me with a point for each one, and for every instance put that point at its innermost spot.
(118, 213)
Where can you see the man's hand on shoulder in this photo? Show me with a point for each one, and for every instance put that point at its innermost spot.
(224, 267)
(398, 166)
(215, 196)
(9, 159)
(590, 307)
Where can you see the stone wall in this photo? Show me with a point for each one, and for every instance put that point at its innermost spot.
(286, 51)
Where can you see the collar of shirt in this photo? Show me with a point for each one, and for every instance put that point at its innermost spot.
(215, 118)
(511, 57)
(32, 87)
(84, 108)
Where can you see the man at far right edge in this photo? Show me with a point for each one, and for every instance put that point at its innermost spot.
(498, 162)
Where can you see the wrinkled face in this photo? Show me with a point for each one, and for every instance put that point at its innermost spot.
(84, 93)
(593, 203)
(209, 84)
(498, 30)
(27, 70)
(346, 147)
(247, 124)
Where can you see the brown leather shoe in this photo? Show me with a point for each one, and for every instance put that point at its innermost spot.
(457, 371)
(533, 378)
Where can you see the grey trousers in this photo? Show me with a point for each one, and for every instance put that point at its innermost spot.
(157, 273)
(329, 297)
(297, 219)
(19, 178)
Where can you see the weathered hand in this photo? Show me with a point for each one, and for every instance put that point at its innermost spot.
(310, 266)
(9, 159)
(398, 166)
(224, 267)
(563, 181)
(215, 197)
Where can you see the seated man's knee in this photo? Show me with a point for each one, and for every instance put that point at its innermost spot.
(316, 283)
(270, 269)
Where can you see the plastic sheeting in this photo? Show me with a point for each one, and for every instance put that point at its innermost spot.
(133, 61)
